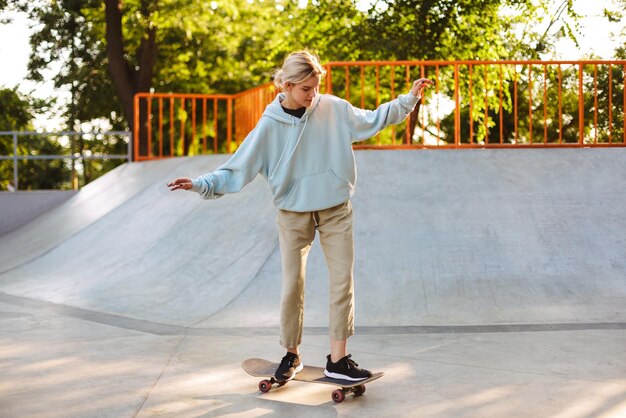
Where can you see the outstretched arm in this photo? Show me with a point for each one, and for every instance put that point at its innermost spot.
(365, 124)
(232, 176)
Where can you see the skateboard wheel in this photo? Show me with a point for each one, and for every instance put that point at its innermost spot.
(338, 396)
(359, 390)
(265, 386)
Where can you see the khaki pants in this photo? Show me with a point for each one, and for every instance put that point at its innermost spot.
(296, 233)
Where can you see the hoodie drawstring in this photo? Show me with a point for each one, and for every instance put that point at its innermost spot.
(284, 151)
(278, 165)
(306, 120)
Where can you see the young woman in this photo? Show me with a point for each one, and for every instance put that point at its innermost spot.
(302, 146)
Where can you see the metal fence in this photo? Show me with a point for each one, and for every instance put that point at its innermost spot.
(174, 124)
(480, 104)
(24, 154)
(494, 104)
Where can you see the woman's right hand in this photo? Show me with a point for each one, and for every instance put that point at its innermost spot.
(183, 183)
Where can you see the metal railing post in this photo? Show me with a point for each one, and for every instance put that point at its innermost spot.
(136, 127)
(130, 146)
(229, 125)
(581, 107)
(15, 172)
(457, 109)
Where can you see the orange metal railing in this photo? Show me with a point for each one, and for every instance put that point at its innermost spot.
(170, 124)
(471, 104)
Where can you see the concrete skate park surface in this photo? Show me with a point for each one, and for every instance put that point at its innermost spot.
(489, 283)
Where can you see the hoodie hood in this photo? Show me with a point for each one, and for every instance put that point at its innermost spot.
(275, 111)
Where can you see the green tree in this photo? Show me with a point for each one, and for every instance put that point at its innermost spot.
(618, 14)
(113, 49)
(73, 33)
(16, 111)
(429, 30)
(16, 114)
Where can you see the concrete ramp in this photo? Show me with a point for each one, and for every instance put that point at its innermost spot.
(93, 202)
(128, 246)
(475, 237)
(455, 237)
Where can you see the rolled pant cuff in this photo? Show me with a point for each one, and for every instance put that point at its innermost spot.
(342, 335)
(287, 345)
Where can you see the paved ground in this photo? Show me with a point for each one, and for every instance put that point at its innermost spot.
(490, 283)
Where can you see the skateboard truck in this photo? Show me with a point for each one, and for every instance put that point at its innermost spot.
(338, 395)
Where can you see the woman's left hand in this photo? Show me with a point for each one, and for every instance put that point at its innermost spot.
(419, 86)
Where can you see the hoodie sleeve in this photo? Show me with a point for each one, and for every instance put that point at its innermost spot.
(365, 124)
(236, 173)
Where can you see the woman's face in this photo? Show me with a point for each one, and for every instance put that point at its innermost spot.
(302, 94)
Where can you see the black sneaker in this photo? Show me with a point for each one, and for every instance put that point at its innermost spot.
(345, 369)
(289, 366)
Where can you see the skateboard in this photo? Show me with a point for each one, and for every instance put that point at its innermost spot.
(262, 368)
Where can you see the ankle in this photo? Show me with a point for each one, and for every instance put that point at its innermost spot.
(335, 358)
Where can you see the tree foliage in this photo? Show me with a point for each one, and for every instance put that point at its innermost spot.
(107, 51)
(16, 114)
(16, 111)
(110, 50)
(618, 14)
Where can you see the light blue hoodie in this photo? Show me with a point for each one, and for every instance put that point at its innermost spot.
(308, 162)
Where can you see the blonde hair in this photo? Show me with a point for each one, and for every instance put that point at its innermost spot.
(298, 67)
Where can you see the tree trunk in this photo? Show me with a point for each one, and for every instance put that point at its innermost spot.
(126, 80)
(120, 71)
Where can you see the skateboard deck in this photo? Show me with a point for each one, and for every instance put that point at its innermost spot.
(263, 368)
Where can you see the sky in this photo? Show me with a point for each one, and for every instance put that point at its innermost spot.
(15, 49)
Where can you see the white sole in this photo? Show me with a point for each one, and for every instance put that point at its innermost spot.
(298, 370)
(343, 377)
